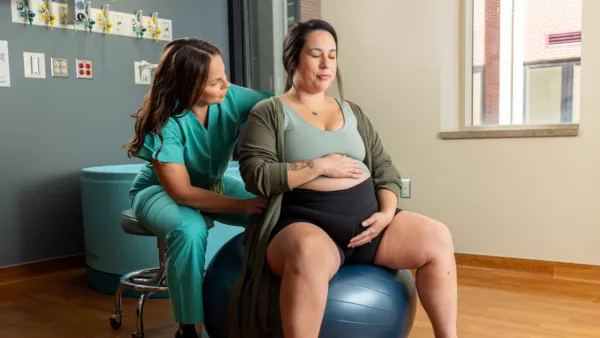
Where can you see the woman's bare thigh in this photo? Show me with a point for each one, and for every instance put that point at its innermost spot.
(302, 241)
(411, 240)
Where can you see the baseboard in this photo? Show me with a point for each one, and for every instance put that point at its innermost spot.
(557, 270)
(19, 273)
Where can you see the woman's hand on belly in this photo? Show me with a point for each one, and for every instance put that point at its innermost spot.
(334, 184)
(339, 166)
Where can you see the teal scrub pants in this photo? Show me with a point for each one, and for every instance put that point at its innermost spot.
(185, 232)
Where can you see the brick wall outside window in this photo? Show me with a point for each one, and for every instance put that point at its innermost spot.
(541, 17)
(310, 9)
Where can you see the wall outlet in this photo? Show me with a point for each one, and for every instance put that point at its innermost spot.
(167, 29)
(59, 67)
(34, 65)
(142, 74)
(83, 68)
(405, 185)
(119, 24)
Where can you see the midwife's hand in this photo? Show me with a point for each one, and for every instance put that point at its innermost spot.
(255, 205)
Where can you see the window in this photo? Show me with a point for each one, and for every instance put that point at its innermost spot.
(258, 42)
(522, 64)
(293, 12)
(257, 31)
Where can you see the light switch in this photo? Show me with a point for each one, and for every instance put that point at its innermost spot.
(34, 65)
(4, 65)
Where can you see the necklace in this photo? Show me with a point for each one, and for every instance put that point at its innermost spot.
(313, 112)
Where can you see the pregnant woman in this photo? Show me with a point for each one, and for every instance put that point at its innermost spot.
(334, 196)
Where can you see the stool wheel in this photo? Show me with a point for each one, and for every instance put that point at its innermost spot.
(116, 320)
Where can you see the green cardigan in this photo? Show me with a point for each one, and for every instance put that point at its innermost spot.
(255, 296)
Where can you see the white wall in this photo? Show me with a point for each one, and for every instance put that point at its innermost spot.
(529, 198)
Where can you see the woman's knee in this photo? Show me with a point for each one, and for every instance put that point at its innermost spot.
(312, 254)
(440, 239)
(304, 252)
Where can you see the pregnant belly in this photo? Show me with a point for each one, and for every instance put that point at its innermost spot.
(335, 184)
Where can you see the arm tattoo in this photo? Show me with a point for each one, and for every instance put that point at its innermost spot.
(300, 165)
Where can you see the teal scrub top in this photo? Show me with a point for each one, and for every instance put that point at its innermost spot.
(205, 151)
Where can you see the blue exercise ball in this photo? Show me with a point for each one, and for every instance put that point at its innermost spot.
(363, 300)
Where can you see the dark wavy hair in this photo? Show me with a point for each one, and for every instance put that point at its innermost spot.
(293, 44)
(179, 79)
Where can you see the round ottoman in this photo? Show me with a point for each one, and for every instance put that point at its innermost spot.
(109, 251)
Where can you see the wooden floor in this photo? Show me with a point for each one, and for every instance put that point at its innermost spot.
(492, 303)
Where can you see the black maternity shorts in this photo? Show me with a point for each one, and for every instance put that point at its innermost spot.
(339, 213)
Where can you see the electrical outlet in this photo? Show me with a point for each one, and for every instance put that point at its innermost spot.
(405, 188)
(59, 67)
(142, 74)
(118, 24)
(34, 65)
(167, 29)
(63, 15)
(84, 69)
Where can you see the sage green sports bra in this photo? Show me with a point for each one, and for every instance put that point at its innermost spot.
(303, 141)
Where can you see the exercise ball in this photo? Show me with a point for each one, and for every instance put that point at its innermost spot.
(363, 300)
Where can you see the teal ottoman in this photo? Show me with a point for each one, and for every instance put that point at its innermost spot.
(110, 252)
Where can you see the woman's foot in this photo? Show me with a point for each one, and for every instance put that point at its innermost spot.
(186, 331)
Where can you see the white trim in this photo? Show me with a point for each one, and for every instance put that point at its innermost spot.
(468, 63)
(448, 14)
(505, 71)
(517, 57)
(575, 115)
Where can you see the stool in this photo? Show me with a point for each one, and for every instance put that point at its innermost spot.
(147, 281)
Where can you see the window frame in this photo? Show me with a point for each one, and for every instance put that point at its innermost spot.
(237, 51)
(479, 69)
(465, 128)
(239, 20)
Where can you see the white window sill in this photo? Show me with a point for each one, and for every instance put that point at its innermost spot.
(521, 131)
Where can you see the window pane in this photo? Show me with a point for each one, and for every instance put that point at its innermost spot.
(551, 33)
(477, 97)
(266, 24)
(509, 36)
(259, 40)
(576, 91)
(309, 9)
(551, 30)
(292, 12)
(543, 102)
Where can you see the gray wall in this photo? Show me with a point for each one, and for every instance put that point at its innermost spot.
(51, 128)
